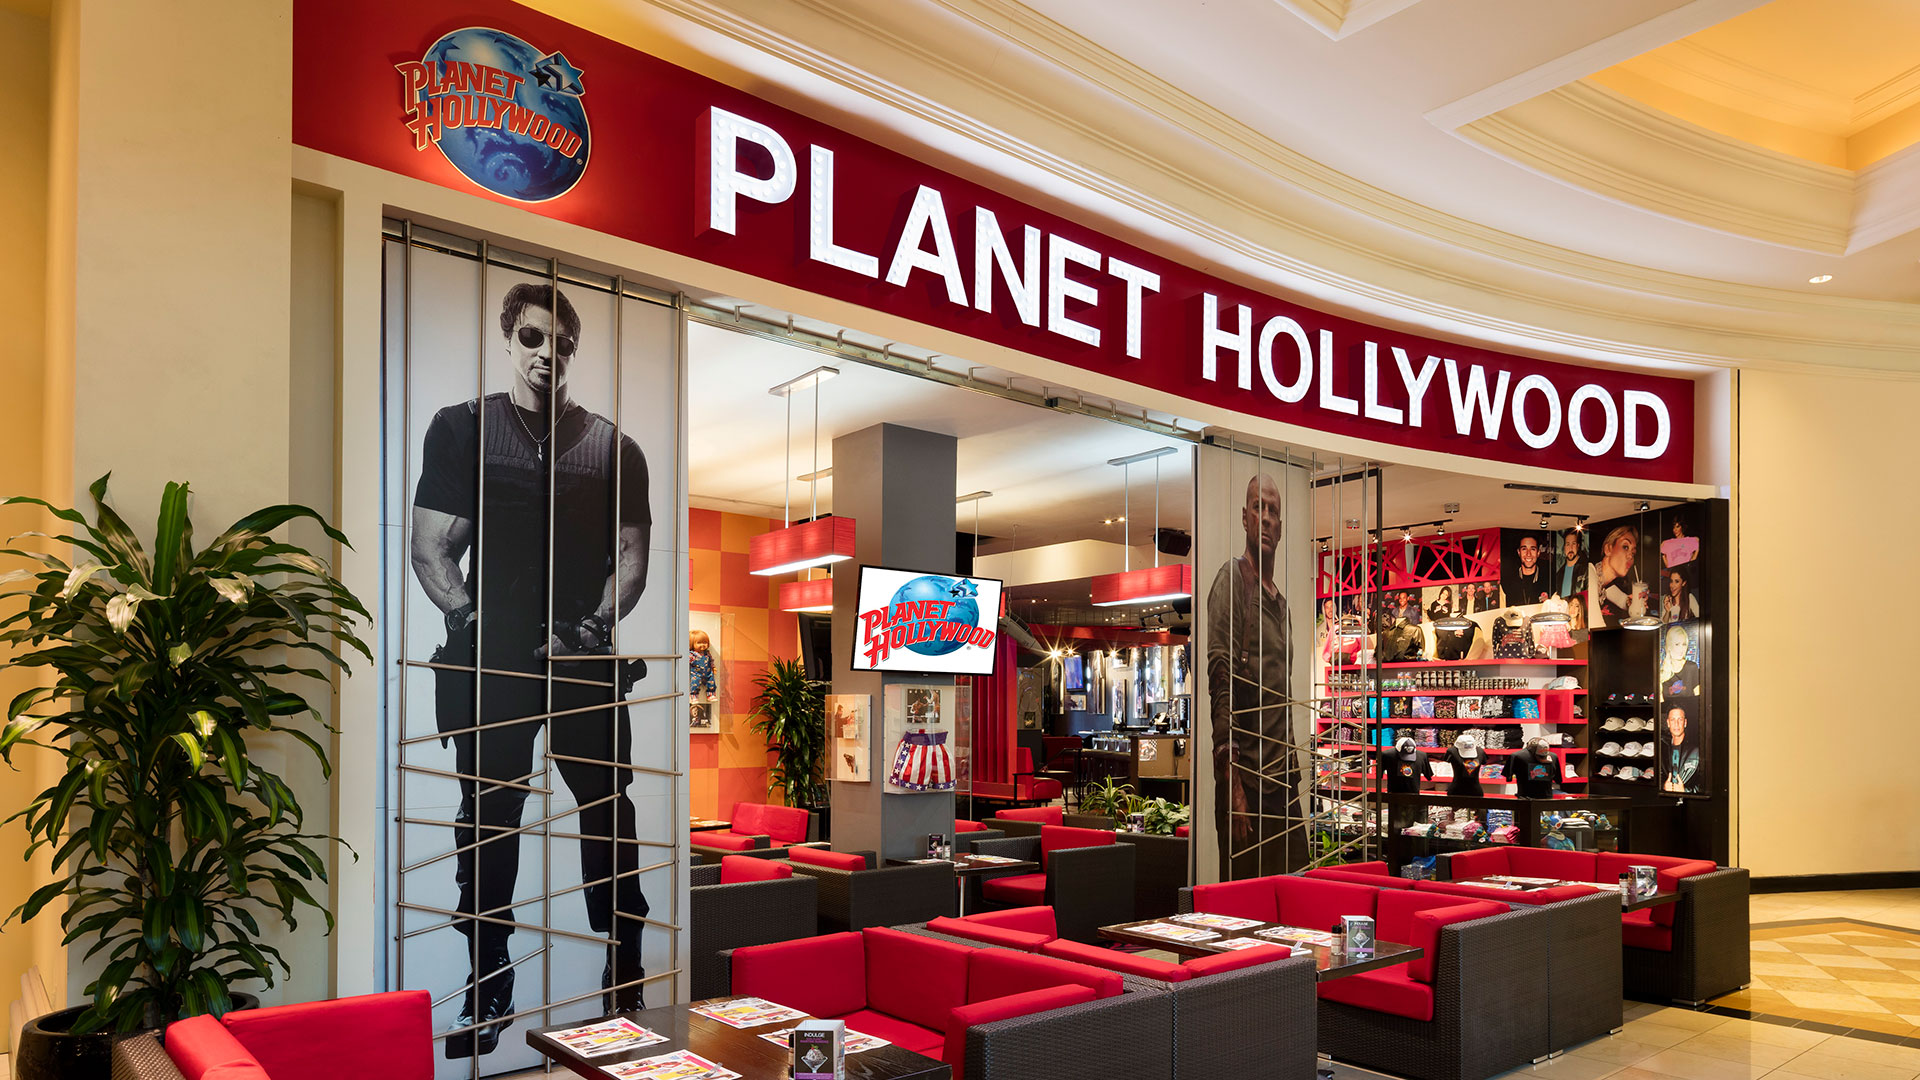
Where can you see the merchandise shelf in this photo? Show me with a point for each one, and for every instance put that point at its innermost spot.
(1442, 749)
(1535, 692)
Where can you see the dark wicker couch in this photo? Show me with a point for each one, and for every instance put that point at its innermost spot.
(886, 896)
(1087, 887)
(1160, 872)
(723, 917)
(141, 1057)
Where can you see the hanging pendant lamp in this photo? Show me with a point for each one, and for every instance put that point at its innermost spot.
(820, 541)
(1149, 584)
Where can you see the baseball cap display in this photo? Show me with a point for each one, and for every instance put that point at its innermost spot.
(1606, 770)
(1610, 749)
(1564, 682)
(1632, 749)
(1614, 723)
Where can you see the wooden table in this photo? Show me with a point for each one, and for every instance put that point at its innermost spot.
(1655, 899)
(970, 865)
(739, 1049)
(707, 825)
(1330, 961)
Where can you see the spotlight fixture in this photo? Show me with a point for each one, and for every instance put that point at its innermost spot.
(1544, 523)
(1819, 279)
(1550, 499)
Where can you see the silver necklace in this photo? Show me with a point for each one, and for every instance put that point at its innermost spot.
(539, 445)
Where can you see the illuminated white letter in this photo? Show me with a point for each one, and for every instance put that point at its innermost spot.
(1375, 410)
(1543, 438)
(1137, 280)
(1297, 389)
(1476, 396)
(1416, 384)
(1328, 399)
(820, 245)
(989, 250)
(1634, 401)
(1592, 447)
(929, 214)
(1060, 252)
(718, 161)
(1212, 339)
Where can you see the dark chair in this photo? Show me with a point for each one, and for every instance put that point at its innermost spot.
(854, 896)
(1030, 788)
(1159, 872)
(1026, 820)
(726, 917)
(1061, 762)
(1086, 878)
(966, 833)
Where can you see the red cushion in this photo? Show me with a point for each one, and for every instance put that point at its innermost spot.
(391, 1036)
(738, 868)
(1252, 898)
(1004, 1008)
(731, 841)
(1030, 920)
(1233, 961)
(893, 1029)
(202, 1047)
(785, 824)
(914, 977)
(1547, 863)
(1318, 905)
(1036, 788)
(1113, 960)
(1532, 898)
(1023, 759)
(1386, 990)
(1045, 815)
(993, 973)
(1179, 830)
(1377, 867)
(961, 825)
(1415, 918)
(1352, 877)
(1055, 837)
(820, 976)
(748, 819)
(1639, 930)
(1005, 937)
(824, 857)
(1669, 871)
(1481, 863)
(1022, 890)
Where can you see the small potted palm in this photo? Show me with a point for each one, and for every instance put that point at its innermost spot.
(169, 840)
(790, 713)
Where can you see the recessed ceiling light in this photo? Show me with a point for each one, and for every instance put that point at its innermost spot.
(1819, 279)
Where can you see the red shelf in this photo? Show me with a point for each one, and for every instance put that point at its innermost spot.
(1489, 795)
(1454, 693)
(1434, 721)
(1443, 749)
(1487, 662)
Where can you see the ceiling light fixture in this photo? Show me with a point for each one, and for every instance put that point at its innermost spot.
(1819, 279)
(1146, 585)
(818, 541)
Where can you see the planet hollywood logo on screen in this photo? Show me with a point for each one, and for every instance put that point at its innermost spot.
(932, 615)
(507, 114)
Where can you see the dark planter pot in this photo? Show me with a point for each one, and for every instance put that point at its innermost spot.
(49, 1050)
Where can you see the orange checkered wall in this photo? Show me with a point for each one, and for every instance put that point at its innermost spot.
(730, 765)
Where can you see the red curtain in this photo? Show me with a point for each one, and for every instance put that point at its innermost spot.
(995, 717)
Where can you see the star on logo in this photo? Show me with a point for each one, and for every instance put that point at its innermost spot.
(553, 72)
(963, 588)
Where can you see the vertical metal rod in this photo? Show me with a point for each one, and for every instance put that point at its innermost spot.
(406, 524)
(1156, 513)
(479, 606)
(555, 402)
(1126, 511)
(613, 623)
(1369, 796)
(786, 478)
(679, 585)
(813, 485)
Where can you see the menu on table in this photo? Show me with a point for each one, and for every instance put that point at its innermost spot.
(994, 859)
(679, 1065)
(606, 1037)
(1513, 880)
(1236, 944)
(1298, 934)
(856, 1042)
(1216, 922)
(1173, 932)
(748, 1012)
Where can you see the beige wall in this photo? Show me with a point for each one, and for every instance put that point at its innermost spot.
(24, 97)
(1824, 508)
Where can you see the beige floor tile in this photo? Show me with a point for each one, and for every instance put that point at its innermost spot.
(1876, 1052)
(1833, 1002)
(1685, 1065)
(1874, 975)
(1838, 960)
(1792, 971)
(1768, 946)
(1619, 1050)
(1714, 1044)
(1801, 1039)
(1810, 985)
(1892, 990)
(1654, 1031)
(1564, 1067)
(1814, 939)
(1909, 952)
(1690, 1019)
(1822, 1065)
(1636, 1009)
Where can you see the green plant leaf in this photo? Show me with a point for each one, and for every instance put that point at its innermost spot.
(172, 536)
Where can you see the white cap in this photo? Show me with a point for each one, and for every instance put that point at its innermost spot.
(1610, 748)
(1632, 749)
(1606, 770)
(1613, 724)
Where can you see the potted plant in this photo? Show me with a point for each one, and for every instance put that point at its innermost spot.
(790, 713)
(168, 839)
(1109, 798)
(1159, 817)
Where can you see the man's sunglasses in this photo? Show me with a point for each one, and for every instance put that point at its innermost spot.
(533, 337)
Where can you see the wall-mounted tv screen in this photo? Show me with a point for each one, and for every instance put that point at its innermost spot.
(924, 624)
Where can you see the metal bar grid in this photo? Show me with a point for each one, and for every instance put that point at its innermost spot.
(410, 237)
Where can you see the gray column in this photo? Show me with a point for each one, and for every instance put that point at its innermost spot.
(898, 484)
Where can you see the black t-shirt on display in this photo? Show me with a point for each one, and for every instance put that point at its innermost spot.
(1405, 773)
(1466, 771)
(1534, 775)
(511, 548)
(1454, 644)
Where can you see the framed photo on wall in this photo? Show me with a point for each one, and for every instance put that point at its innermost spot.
(849, 729)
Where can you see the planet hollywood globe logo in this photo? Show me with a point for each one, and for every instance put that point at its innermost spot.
(508, 115)
(932, 615)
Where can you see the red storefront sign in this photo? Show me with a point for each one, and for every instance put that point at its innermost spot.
(678, 161)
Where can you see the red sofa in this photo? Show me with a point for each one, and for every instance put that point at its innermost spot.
(1689, 951)
(1471, 1007)
(1361, 873)
(854, 897)
(761, 830)
(986, 1012)
(388, 1037)
(1085, 877)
